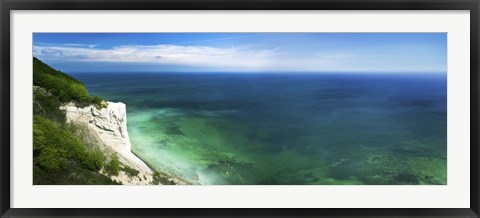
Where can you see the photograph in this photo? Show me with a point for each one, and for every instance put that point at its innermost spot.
(239, 108)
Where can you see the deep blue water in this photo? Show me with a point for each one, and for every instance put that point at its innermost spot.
(234, 128)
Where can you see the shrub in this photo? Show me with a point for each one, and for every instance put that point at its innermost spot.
(51, 159)
(99, 103)
(55, 147)
(131, 172)
(97, 100)
(94, 160)
(47, 105)
(65, 87)
(159, 178)
(113, 167)
(59, 155)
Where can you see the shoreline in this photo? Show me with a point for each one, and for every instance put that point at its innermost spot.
(163, 175)
(107, 128)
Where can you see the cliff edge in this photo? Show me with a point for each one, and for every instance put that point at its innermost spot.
(109, 127)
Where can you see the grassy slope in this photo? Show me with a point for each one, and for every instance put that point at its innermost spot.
(59, 84)
(60, 156)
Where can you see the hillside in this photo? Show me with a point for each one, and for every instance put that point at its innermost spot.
(65, 87)
(59, 155)
(82, 139)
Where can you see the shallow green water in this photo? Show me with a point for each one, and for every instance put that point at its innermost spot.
(285, 128)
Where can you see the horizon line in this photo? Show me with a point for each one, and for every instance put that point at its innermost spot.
(264, 72)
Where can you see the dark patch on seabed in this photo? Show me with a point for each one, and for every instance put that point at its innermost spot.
(285, 128)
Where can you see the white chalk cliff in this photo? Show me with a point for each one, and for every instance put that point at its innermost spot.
(109, 126)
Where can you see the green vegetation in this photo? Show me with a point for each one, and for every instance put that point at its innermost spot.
(113, 167)
(160, 178)
(68, 154)
(55, 147)
(97, 101)
(61, 153)
(131, 172)
(65, 87)
(47, 105)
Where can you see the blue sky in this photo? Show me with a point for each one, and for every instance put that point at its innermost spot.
(243, 52)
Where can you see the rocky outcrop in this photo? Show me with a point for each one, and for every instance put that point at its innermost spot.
(109, 126)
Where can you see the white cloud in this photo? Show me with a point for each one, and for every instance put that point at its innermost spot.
(67, 45)
(248, 58)
(163, 54)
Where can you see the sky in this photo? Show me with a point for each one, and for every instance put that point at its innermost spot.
(243, 52)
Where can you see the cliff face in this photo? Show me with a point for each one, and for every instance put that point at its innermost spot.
(109, 127)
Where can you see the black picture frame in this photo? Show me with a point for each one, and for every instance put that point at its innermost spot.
(8, 5)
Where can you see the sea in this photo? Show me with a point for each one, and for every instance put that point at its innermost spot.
(285, 128)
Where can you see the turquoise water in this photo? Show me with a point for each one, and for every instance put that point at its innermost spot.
(234, 128)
